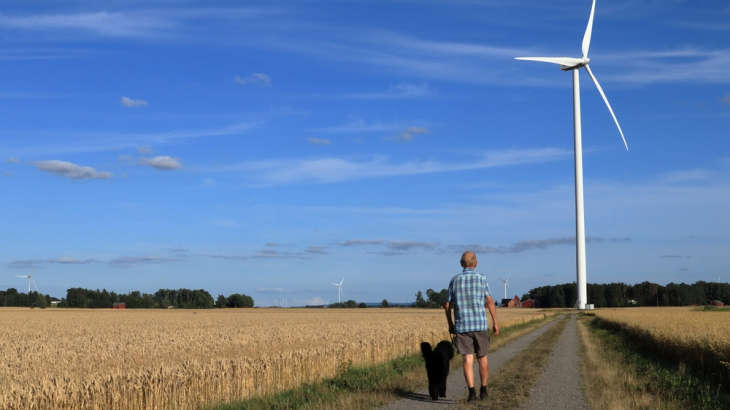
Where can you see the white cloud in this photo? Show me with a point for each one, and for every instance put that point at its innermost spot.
(70, 170)
(274, 254)
(34, 263)
(408, 245)
(318, 141)
(144, 150)
(163, 163)
(402, 90)
(726, 100)
(258, 79)
(12, 160)
(128, 102)
(102, 23)
(407, 135)
(272, 290)
(329, 170)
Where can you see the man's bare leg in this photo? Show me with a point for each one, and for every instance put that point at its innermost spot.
(469, 370)
(483, 369)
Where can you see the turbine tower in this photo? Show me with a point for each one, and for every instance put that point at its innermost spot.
(30, 279)
(574, 64)
(506, 286)
(339, 291)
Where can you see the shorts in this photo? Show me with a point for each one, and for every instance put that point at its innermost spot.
(473, 342)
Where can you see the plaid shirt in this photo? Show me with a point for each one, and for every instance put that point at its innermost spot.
(468, 293)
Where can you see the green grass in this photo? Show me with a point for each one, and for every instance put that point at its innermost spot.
(660, 376)
(360, 388)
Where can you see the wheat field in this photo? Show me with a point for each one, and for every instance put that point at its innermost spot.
(183, 359)
(693, 337)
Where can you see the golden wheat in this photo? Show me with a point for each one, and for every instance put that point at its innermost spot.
(182, 359)
(697, 338)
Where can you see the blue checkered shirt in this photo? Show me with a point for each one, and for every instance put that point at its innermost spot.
(468, 293)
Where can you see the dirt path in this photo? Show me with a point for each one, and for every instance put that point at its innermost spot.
(559, 387)
(456, 385)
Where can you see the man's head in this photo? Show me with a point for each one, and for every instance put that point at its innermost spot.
(468, 260)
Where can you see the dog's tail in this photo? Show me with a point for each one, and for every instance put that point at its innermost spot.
(426, 350)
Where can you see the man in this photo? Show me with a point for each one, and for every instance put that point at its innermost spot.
(468, 296)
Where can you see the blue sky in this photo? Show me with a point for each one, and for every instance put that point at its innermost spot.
(271, 148)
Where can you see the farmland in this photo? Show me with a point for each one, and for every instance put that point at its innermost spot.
(152, 359)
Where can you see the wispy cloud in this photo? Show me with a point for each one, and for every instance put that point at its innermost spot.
(33, 263)
(102, 23)
(358, 242)
(317, 141)
(274, 254)
(257, 79)
(13, 161)
(408, 245)
(128, 102)
(70, 170)
(329, 170)
(402, 90)
(529, 244)
(127, 261)
(317, 250)
(163, 163)
(226, 257)
(407, 135)
(272, 290)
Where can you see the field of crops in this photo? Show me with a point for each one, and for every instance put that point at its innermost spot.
(164, 359)
(700, 339)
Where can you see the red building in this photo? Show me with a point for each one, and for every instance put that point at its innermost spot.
(514, 302)
(119, 305)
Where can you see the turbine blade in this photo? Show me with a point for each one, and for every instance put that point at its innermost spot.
(343, 279)
(589, 31)
(600, 90)
(563, 61)
(36, 286)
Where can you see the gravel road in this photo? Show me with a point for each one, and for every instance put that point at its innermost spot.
(559, 386)
(456, 385)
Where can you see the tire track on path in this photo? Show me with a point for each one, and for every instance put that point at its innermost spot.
(559, 387)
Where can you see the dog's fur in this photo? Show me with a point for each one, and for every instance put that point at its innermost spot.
(437, 366)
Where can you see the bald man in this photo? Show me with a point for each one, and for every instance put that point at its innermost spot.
(468, 296)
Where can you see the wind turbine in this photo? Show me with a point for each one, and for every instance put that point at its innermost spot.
(506, 286)
(339, 290)
(30, 279)
(574, 64)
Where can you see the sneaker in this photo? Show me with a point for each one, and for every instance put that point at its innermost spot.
(483, 393)
(472, 396)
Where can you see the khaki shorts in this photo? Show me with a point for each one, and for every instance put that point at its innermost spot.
(473, 342)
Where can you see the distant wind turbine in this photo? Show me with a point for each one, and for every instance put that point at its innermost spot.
(574, 64)
(30, 279)
(339, 290)
(506, 286)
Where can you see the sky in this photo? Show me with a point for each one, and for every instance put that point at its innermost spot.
(272, 148)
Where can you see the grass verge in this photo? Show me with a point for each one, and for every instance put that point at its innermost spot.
(360, 388)
(622, 373)
(509, 387)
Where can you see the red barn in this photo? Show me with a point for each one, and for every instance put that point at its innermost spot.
(717, 303)
(530, 303)
(119, 305)
(514, 302)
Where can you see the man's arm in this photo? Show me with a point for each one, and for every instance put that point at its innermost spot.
(447, 308)
(492, 312)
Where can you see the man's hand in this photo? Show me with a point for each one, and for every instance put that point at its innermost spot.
(496, 329)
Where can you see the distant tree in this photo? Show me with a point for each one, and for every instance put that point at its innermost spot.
(362, 305)
(436, 299)
(420, 302)
(240, 301)
(351, 304)
(384, 303)
(221, 302)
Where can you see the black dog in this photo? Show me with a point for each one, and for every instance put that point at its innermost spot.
(437, 366)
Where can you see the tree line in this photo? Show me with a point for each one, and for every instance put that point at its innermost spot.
(640, 294)
(101, 299)
(12, 297)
